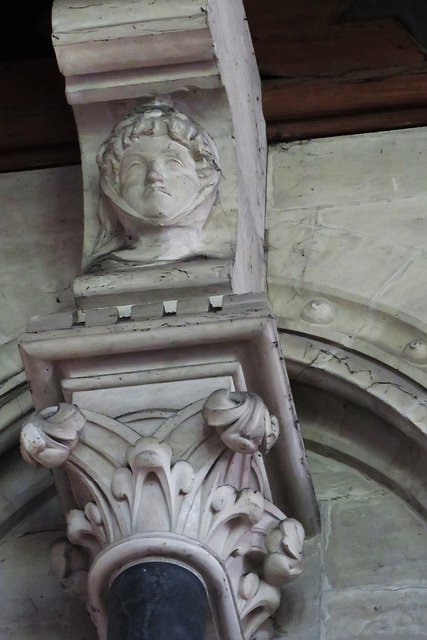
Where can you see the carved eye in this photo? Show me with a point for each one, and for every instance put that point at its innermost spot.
(174, 162)
(134, 165)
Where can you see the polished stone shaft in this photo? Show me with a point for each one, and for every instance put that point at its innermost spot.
(157, 601)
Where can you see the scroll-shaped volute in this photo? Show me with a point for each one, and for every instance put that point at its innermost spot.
(284, 560)
(48, 437)
(242, 420)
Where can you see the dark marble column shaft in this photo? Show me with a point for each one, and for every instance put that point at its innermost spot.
(157, 601)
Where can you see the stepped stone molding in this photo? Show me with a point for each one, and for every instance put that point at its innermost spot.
(182, 481)
(237, 344)
(394, 397)
(163, 459)
(366, 327)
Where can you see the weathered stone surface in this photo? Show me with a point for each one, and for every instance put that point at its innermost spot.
(347, 223)
(352, 433)
(33, 606)
(20, 483)
(41, 233)
(361, 169)
(334, 480)
(393, 613)
(365, 574)
(375, 541)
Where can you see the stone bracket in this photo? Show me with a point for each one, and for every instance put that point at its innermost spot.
(238, 343)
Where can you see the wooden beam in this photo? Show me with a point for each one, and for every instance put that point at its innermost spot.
(284, 101)
(37, 126)
(346, 124)
(337, 49)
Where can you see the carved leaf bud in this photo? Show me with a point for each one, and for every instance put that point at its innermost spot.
(241, 419)
(150, 453)
(48, 437)
(284, 560)
(249, 585)
(224, 496)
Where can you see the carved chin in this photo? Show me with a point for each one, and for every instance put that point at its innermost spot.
(159, 214)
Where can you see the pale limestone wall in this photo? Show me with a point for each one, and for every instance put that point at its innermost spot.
(347, 229)
(33, 604)
(41, 237)
(354, 212)
(365, 575)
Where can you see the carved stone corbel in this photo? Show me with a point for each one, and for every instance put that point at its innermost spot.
(197, 58)
(182, 482)
(194, 491)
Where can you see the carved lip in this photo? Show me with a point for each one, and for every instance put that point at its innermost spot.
(155, 188)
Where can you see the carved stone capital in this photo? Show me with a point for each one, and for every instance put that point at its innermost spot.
(193, 490)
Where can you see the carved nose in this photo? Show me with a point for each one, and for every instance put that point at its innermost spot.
(153, 175)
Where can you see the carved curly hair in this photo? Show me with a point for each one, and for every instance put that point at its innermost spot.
(158, 120)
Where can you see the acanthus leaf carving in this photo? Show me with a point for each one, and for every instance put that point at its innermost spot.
(86, 528)
(218, 499)
(153, 489)
(233, 513)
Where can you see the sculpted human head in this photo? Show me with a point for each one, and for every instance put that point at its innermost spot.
(158, 169)
(158, 179)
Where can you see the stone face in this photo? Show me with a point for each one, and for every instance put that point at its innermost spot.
(159, 175)
(193, 58)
